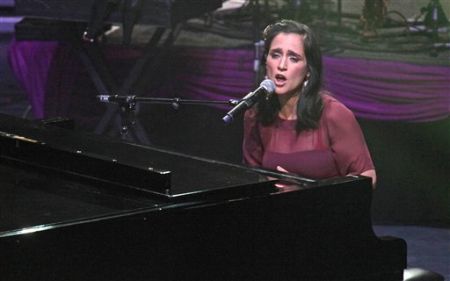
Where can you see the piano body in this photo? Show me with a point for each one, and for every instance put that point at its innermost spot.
(77, 206)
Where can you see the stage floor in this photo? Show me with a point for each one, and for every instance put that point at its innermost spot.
(428, 247)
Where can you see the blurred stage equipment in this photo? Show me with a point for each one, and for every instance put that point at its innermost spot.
(434, 15)
(377, 24)
(82, 23)
(373, 15)
(298, 10)
(434, 20)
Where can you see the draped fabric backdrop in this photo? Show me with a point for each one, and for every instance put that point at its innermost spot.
(372, 89)
(387, 90)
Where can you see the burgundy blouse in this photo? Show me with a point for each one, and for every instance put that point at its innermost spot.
(336, 148)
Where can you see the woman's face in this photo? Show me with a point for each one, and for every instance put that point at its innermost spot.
(286, 63)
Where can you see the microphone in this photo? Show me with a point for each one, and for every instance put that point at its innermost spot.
(116, 98)
(266, 87)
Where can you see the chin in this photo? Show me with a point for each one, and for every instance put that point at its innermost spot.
(284, 93)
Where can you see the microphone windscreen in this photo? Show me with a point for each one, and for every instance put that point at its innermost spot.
(268, 85)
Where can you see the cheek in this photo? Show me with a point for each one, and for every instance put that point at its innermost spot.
(301, 71)
(269, 66)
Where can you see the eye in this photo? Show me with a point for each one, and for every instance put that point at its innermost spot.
(275, 54)
(294, 58)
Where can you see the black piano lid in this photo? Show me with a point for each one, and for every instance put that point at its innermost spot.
(50, 175)
(142, 168)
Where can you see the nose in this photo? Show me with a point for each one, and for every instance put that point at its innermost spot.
(283, 64)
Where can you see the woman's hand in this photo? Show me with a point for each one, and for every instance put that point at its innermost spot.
(281, 169)
(280, 184)
(371, 174)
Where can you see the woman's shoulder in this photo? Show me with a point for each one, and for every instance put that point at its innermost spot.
(329, 99)
(333, 108)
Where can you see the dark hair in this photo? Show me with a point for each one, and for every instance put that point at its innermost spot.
(310, 105)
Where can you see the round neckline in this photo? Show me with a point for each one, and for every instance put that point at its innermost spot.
(286, 120)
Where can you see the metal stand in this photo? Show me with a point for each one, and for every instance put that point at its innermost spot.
(130, 128)
(128, 120)
(434, 19)
(259, 12)
(93, 60)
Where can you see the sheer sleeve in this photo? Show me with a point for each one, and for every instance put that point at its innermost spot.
(347, 141)
(252, 149)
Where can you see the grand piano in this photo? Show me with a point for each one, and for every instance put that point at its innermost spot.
(79, 206)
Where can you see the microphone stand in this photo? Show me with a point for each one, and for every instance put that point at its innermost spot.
(127, 108)
(127, 113)
(175, 102)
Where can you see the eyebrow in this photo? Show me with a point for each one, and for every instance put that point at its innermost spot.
(289, 52)
(292, 53)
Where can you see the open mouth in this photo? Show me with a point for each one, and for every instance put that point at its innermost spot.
(280, 79)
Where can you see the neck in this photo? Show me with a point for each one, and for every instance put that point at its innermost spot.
(288, 106)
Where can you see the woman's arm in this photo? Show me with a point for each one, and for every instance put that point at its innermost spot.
(347, 142)
(251, 145)
(371, 174)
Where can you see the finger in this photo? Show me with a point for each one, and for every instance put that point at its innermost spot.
(281, 169)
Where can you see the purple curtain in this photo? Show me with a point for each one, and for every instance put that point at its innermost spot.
(212, 74)
(373, 89)
(387, 90)
(30, 62)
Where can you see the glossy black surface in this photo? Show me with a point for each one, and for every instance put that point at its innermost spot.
(142, 168)
(42, 184)
(218, 222)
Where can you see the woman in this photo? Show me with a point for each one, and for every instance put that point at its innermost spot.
(302, 129)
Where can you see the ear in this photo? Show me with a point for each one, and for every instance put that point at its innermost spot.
(306, 79)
